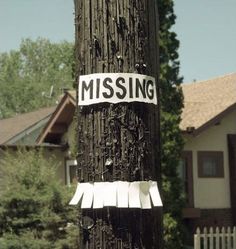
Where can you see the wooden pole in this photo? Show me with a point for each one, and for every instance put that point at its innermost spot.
(118, 141)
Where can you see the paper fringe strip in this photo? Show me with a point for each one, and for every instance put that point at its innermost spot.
(139, 194)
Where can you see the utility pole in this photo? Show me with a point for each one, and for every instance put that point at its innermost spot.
(118, 141)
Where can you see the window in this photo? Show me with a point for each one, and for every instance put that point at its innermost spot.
(210, 164)
(71, 171)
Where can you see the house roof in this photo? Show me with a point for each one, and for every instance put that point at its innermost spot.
(59, 121)
(11, 127)
(206, 102)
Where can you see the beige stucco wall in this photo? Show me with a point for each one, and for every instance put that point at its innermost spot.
(212, 192)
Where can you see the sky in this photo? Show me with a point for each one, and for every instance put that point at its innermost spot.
(206, 30)
(52, 19)
(207, 33)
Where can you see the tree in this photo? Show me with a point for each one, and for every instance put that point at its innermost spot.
(34, 211)
(33, 76)
(172, 141)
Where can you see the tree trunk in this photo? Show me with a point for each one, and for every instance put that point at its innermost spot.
(118, 36)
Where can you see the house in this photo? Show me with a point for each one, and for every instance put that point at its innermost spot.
(22, 130)
(61, 129)
(208, 166)
(47, 128)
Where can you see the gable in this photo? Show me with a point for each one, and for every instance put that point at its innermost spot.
(59, 121)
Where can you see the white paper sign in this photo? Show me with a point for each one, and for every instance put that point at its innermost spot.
(109, 194)
(134, 199)
(88, 196)
(115, 88)
(117, 194)
(78, 194)
(98, 195)
(122, 194)
(155, 195)
(144, 195)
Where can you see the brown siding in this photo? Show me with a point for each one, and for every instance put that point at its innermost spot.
(232, 172)
(187, 156)
(211, 218)
(215, 217)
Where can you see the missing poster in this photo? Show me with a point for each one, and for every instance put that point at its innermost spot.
(115, 88)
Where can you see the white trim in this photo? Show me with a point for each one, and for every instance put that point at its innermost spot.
(140, 194)
(27, 131)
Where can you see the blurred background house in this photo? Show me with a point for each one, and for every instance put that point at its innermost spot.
(208, 164)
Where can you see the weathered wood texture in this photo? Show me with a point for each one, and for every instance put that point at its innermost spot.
(118, 142)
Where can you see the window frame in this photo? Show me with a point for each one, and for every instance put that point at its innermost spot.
(69, 163)
(219, 156)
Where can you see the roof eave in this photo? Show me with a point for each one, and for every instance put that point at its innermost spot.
(213, 121)
(54, 116)
(49, 146)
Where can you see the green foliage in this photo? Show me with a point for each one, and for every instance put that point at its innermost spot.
(172, 141)
(34, 210)
(31, 209)
(27, 75)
